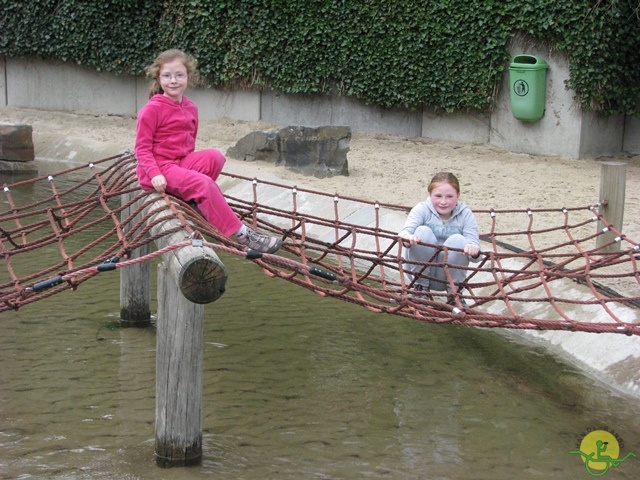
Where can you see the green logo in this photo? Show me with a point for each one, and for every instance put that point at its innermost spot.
(600, 450)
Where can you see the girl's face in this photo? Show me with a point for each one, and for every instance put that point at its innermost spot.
(173, 78)
(444, 198)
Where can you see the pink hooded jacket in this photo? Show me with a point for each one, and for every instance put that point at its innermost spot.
(166, 132)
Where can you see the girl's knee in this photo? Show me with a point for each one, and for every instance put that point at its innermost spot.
(216, 160)
(456, 241)
(193, 185)
(425, 234)
(215, 155)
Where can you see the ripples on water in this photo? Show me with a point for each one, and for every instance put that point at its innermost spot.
(295, 387)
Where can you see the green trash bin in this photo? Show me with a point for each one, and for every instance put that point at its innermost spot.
(528, 87)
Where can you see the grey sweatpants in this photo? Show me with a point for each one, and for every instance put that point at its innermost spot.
(422, 253)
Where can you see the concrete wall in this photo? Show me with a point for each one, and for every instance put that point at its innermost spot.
(215, 104)
(3, 81)
(631, 135)
(563, 130)
(335, 110)
(53, 85)
(457, 127)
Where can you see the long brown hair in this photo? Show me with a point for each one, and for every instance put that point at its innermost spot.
(444, 177)
(153, 70)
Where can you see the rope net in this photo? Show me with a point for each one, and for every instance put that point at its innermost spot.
(548, 275)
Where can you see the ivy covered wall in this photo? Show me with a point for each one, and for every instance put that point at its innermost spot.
(443, 54)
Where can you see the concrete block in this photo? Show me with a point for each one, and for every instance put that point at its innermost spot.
(18, 168)
(16, 142)
(320, 151)
(217, 104)
(142, 93)
(212, 104)
(600, 135)
(260, 145)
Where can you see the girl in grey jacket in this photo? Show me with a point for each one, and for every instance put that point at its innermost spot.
(440, 220)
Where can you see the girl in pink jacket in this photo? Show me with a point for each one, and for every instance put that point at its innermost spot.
(165, 149)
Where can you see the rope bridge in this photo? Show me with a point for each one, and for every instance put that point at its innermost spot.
(546, 276)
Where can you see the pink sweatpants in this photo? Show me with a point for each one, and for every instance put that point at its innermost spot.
(194, 178)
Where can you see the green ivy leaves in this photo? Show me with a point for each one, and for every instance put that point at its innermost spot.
(445, 54)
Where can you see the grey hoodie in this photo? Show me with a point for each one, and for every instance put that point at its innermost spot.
(462, 221)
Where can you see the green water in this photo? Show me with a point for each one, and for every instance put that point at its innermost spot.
(295, 386)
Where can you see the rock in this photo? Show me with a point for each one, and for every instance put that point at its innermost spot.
(16, 142)
(318, 151)
(256, 146)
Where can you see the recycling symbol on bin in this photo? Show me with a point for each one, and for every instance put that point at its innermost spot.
(521, 88)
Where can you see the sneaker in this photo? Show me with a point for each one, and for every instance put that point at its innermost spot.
(451, 300)
(421, 291)
(257, 241)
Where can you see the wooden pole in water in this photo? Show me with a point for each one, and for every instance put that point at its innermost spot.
(135, 281)
(188, 277)
(179, 355)
(612, 190)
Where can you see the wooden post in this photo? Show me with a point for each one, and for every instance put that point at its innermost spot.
(202, 277)
(612, 189)
(179, 355)
(188, 277)
(135, 280)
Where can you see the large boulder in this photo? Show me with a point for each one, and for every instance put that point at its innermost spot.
(318, 151)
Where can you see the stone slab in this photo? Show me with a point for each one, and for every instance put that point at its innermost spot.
(16, 142)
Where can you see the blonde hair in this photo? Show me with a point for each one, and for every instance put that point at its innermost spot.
(153, 70)
(444, 177)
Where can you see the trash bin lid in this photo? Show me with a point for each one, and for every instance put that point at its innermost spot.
(528, 62)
